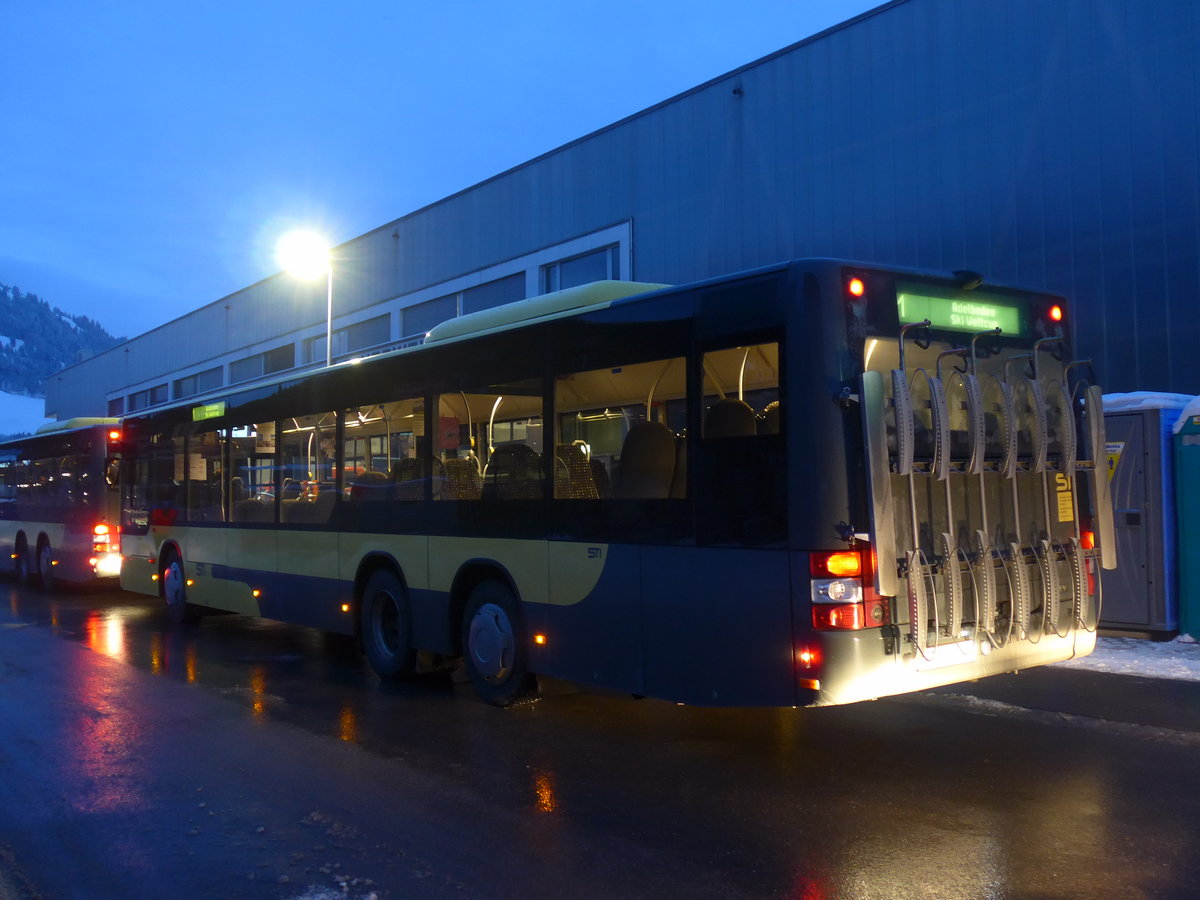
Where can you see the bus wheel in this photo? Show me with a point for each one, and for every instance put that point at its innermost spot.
(386, 622)
(493, 640)
(45, 565)
(21, 561)
(175, 591)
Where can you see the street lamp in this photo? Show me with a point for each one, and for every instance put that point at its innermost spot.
(306, 255)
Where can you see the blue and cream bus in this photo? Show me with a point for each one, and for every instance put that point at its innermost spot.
(812, 483)
(59, 502)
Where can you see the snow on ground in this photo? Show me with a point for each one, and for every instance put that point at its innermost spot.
(1178, 659)
(21, 414)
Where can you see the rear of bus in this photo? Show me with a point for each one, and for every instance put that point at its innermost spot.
(980, 514)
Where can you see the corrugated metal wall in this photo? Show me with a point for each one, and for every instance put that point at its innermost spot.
(1047, 143)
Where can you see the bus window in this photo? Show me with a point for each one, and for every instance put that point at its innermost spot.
(621, 432)
(251, 486)
(741, 392)
(490, 443)
(384, 452)
(307, 455)
(205, 453)
(154, 492)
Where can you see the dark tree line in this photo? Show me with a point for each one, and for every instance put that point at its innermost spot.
(40, 339)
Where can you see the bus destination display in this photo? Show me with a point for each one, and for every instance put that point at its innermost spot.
(957, 311)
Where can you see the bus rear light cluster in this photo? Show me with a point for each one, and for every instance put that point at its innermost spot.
(841, 599)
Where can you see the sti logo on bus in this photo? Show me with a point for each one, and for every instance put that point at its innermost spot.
(595, 552)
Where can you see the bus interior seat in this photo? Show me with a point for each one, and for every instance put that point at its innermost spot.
(647, 462)
(730, 417)
(679, 478)
(254, 510)
(573, 478)
(371, 485)
(291, 489)
(600, 477)
(768, 422)
(237, 491)
(514, 472)
(311, 511)
(462, 479)
(410, 475)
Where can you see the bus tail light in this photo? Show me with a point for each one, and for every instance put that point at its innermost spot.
(106, 550)
(841, 599)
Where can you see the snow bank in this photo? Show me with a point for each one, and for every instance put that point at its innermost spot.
(1178, 659)
(1192, 409)
(1145, 400)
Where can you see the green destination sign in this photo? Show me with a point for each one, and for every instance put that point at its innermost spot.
(954, 310)
(208, 411)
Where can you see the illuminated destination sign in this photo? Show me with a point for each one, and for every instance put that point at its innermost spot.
(208, 411)
(953, 310)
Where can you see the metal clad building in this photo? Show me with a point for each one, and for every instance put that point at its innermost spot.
(1052, 144)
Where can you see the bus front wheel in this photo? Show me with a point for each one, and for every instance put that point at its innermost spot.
(21, 561)
(386, 622)
(494, 649)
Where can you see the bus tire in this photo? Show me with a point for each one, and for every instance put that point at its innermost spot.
(21, 561)
(385, 621)
(45, 565)
(174, 585)
(494, 648)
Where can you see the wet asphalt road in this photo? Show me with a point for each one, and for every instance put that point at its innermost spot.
(241, 758)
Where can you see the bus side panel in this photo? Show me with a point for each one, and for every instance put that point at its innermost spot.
(718, 626)
(592, 625)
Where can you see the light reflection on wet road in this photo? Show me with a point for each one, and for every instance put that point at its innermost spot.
(889, 799)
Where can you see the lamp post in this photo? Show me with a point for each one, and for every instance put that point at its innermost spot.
(306, 255)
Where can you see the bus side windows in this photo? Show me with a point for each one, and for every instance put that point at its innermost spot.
(622, 432)
(489, 443)
(385, 452)
(307, 455)
(741, 392)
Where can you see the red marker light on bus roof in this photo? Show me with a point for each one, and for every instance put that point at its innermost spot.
(114, 435)
(1056, 313)
(855, 287)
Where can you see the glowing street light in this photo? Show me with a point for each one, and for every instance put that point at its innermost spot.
(306, 255)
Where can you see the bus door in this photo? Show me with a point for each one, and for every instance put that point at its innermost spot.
(987, 503)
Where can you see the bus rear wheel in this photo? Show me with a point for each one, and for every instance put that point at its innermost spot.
(45, 565)
(386, 626)
(175, 591)
(494, 647)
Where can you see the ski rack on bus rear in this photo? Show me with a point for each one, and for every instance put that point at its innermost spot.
(976, 482)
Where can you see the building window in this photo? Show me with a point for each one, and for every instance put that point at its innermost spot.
(598, 265)
(359, 336)
(261, 364)
(422, 317)
(198, 384)
(116, 406)
(494, 293)
(149, 397)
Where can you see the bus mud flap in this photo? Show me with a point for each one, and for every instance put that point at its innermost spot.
(903, 415)
(1048, 557)
(985, 585)
(879, 482)
(952, 586)
(1079, 583)
(918, 602)
(1093, 404)
(1018, 579)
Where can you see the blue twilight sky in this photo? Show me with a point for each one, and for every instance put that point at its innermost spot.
(153, 152)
